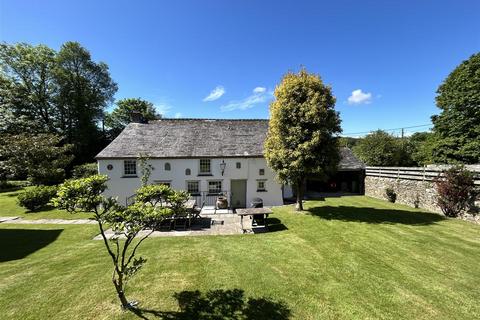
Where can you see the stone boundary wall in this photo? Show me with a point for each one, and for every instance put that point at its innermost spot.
(414, 193)
(413, 186)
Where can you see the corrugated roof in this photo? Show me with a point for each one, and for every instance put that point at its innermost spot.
(196, 138)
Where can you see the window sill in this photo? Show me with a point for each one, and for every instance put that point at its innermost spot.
(205, 175)
(262, 190)
(135, 176)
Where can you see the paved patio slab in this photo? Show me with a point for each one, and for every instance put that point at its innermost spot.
(17, 220)
(212, 224)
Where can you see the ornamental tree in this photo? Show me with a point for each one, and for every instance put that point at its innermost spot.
(457, 127)
(303, 129)
(130, 225)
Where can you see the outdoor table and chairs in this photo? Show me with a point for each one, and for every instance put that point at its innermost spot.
(259, 217)
(180, 220)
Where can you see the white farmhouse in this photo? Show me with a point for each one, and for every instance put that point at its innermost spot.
(202, 156)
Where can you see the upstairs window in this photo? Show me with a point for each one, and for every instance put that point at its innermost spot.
(130, 167)
(239, 165)
(168, 167)
(214, 187)
(205, 166)
(188, 172)
(261, 172)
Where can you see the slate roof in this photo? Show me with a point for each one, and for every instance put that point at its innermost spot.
(196, 138)
(189, 138)
(348, 161)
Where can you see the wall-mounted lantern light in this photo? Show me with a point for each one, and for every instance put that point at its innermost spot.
(222, 166)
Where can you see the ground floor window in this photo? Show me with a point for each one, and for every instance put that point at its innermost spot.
(215, 186)
(193, 187)
(261, 185)
(164, 182)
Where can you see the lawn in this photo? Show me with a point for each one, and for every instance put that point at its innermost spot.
(9, 208)
(346, 258)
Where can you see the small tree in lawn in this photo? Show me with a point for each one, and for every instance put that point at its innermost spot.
(126, 222)
(303, 129)
(455, 189)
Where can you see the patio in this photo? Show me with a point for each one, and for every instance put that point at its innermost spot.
(208, 224)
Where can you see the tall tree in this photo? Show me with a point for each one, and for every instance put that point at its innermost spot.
(303, 129)
(27, 88)
(63, 92)
(458, 125)
(120, 116)
(84, 91)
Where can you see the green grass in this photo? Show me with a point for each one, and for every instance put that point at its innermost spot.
(346, 258)
(9, 207)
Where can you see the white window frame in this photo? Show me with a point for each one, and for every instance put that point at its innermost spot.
(261, 182)
(164, 182)
(217, 190)
(197, 192)
(129, 168)
(203, 166)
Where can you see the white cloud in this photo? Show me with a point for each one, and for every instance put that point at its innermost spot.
(178, 115)
(163, 108)
(360, 97)
(215, 94)
(259, 95)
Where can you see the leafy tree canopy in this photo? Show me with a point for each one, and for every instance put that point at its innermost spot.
(120, 116)
(457, 127)
(41, 158)
(378, 148)
(303, 129)
(64, 92)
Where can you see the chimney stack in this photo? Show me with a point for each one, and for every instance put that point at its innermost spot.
(137, 117)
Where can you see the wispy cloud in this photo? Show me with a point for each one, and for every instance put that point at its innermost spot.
(178, 115)
(259, 95)
(163, 108)
(360, 97)
(259, 90)
(215, 94)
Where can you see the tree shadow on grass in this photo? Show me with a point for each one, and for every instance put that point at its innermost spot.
(219, 304)
(18, 243)
(374, 215)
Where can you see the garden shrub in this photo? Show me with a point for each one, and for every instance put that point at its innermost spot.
(37, 197)
(455, 190)
(85, 170)
(391, 195)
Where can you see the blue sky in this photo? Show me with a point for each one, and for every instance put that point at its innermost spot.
(222, 59)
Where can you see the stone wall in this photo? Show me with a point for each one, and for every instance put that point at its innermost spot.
(415, 193)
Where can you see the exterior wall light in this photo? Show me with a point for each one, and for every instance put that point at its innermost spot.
(222, 166)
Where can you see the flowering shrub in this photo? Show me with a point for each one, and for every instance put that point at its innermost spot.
(455, 190)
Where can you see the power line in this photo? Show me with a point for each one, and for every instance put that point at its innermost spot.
(393, 129)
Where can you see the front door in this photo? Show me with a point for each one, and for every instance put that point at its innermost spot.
(238, 189)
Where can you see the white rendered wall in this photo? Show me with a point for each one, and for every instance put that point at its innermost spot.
(123, 187)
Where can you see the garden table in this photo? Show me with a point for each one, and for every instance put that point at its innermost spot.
(253, 212)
